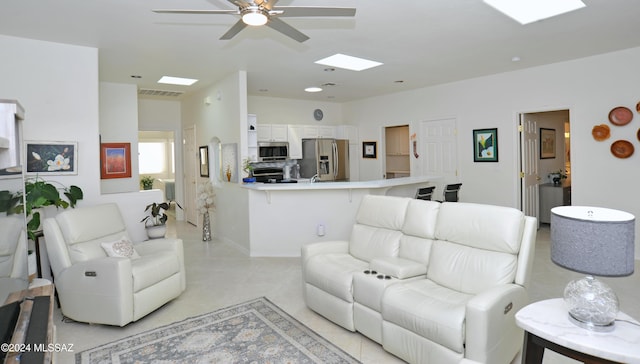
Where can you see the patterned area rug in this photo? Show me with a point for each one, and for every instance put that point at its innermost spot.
(252, 332)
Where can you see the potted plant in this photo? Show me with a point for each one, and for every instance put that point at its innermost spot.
(147, 182)
(247, 167)
(155, 221)
(39, 194)
(9, 201)
(557, 176)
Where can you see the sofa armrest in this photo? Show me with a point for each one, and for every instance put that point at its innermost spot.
(329, 247)
(398, 267)
(492, 335)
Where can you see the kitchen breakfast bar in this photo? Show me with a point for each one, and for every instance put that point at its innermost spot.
(285, 216)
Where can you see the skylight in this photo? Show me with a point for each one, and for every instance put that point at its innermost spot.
(529, 11)
(177, 81)
(348, 62)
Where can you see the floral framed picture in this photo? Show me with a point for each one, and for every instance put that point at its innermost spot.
(53, 158)
(369, 150)
(485, 145)
(115, 160)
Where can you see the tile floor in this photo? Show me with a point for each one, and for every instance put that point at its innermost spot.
(219, 275)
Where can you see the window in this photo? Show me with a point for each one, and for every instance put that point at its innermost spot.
(152, 157)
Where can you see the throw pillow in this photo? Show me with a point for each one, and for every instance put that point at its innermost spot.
(122, 248)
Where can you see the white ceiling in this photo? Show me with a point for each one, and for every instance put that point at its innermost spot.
(420, 42)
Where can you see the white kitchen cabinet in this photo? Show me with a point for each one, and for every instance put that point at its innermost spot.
(272, 133)
(294, 136)
(313, 131)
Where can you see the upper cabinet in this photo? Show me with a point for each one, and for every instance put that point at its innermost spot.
(295, 141)
(312, 131)
(272, 133)
(252, 137)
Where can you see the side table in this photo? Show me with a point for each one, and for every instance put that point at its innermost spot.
(547, 325)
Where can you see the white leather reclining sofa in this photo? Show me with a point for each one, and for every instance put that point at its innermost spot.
(96, 288)
(432, 282)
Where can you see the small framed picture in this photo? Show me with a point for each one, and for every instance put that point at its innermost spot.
(54, 158)
(204, 161)
(369, 150)
(485, 145)
(547, 143)
(115, 160)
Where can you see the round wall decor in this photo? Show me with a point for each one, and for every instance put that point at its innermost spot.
(622, 148)
(620, 116)
(318, 114)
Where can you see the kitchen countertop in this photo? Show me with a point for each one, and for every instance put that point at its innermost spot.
(383, 183)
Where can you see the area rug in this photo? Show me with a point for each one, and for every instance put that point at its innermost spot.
(252, 332)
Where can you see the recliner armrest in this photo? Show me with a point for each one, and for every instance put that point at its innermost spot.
(399, 268)
(173, 244)
(329, 247)
(490, 320)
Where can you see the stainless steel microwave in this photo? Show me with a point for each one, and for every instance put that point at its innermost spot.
(273, 151)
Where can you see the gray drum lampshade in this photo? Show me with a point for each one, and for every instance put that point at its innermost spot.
(593, 240)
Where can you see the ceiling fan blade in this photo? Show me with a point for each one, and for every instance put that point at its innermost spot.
(235, 29)
(286, 29)
(291, 11)
(188, 11)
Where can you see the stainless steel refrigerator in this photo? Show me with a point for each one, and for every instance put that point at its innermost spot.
(326, 158)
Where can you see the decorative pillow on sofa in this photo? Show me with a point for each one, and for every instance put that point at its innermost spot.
(122, 248)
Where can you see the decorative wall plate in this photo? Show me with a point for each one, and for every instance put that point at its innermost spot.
(638, 106)
(601, 132)
(620, 116)
(638, 134)
(622, 148)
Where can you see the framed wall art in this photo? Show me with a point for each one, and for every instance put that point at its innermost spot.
(204, 161)
(370, 150)
(115, 160)
(485, 145)
(547, 143)
(54, 158)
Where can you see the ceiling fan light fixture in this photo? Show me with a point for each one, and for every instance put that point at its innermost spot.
(254, 16)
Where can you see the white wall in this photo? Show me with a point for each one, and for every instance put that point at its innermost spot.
(119, 124)
(58, 86)
(226, 119)
(273, 110)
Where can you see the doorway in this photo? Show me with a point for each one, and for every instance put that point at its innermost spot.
(545, 148)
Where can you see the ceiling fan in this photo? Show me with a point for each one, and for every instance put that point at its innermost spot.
(264, 12)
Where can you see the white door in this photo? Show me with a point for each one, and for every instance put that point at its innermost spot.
(439, 151)
(529, 178)
(190, 175)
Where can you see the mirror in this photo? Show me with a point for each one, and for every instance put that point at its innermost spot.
(13, 240)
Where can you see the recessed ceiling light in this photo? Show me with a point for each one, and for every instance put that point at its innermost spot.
(177, 81)
(515, 59)
(348, 62)
(313, 89)
(529, 11)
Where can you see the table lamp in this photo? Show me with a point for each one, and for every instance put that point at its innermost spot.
(598, 242)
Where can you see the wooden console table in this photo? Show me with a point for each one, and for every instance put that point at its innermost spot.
(41, 352)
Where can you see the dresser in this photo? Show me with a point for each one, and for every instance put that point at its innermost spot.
(552, 195)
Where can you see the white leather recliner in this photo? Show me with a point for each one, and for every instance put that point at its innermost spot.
(97, 288)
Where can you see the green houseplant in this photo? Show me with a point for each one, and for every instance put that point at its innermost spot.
(9, 201)
(39, 194)
(155, 221)
(147, 182)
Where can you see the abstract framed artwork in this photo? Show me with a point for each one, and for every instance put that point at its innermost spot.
(369, 150)
(115, 160)
(547, 143)
(485, 145)
(204, 161)
(52, 158)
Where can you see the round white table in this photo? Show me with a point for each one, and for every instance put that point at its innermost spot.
(547, 325)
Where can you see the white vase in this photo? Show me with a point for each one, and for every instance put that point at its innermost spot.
(156, 231)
